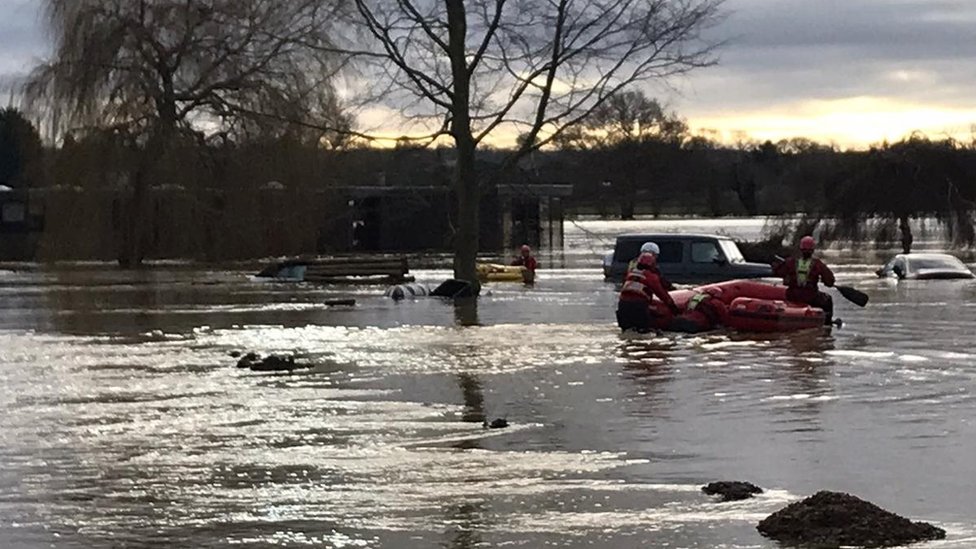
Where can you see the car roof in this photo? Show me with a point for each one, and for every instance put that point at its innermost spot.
(928, 255)
(670, 236)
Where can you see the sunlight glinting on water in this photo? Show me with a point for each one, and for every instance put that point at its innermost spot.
(123, 419)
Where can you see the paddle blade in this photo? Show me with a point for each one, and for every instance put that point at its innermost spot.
(856, 297)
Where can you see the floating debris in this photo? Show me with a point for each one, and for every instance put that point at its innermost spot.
(499, 423)
(732, 490)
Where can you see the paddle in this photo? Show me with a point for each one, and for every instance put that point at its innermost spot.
(855, 296)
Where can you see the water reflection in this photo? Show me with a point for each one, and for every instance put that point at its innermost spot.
(647, 362)
(474, 407)
(801, 372)
(157, 438)
(465, 522)
(474, 400)
(466, 311)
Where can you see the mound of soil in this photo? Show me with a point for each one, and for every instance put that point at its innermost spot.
(832, 519)
(732, 490)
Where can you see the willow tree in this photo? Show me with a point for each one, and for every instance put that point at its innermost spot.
(153, 69)
(484, 71)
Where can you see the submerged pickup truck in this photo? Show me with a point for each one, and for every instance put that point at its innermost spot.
(686, 258)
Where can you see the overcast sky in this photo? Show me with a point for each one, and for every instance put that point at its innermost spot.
(851, 71)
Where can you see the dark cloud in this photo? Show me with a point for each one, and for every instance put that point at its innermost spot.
(778, 53)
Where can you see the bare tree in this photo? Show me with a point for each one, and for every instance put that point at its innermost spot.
(632, 117)
(483, 71)
(151, 69)
(631, 132)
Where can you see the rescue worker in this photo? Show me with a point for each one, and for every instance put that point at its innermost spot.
(528, 264)
(526, 260)
(802, 276)
(705, 311)
(637, 293)
(646, 248)
(652, 248)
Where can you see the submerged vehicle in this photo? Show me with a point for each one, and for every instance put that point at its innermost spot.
(752, 307)
(925, 266)
(686, 258)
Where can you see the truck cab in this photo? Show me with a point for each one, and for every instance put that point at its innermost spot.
(686, 258)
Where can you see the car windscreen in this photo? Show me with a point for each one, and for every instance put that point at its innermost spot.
(941, 263)
(732, 253)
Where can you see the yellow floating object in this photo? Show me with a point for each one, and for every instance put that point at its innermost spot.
(490, 272)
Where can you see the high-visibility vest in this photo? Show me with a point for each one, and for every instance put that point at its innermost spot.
(696, 300)
(635, 287)
(635, 284)
(803, 267)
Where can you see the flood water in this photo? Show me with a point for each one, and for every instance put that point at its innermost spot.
(123, 421)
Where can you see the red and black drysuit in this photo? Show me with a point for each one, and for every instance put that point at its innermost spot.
(705, 311)
(802, 276)
(636, 295)
(528, 262)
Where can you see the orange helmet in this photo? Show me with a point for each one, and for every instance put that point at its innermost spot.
(807, 244)
(647, 260)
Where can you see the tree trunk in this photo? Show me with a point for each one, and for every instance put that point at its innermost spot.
(468, 197)
(135, 236)
(132, 250)
(628, 199)
(465, 177)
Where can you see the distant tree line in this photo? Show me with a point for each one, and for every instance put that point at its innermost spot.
(638, 159)
(217, 98)
(654, 167)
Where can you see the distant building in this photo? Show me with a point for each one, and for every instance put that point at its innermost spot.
(414, 218)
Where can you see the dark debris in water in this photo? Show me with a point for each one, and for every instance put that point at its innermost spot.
(833, 519)
(499, 423)
(270, 363)
(732, 490)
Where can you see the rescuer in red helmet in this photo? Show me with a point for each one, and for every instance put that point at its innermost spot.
(526, 260)
(803, 274)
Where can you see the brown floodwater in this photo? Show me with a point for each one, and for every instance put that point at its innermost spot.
(123, 421)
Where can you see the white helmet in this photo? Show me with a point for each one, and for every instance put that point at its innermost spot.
(650, 248)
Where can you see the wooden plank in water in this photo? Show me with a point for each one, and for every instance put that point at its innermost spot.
(334, 269)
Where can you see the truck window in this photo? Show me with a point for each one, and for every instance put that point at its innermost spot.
(671, 252)
(704, 252)
(627, 250)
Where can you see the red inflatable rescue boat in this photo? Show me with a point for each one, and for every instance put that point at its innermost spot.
(763, 315)
(752, 307)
